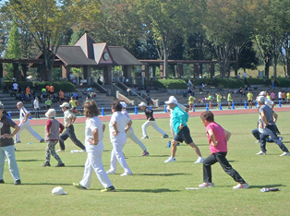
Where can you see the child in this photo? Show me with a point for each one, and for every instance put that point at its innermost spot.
(229, 99)
(218, 100)
(48, 103)
(73, 102)
(210, 98)
(52, 130)
(191, 103)
(218, 138)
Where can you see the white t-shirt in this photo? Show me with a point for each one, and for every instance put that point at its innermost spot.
(121, 121)
(91, 125)
(67, 115)
(15, 86)
(280, 95)
(124, 112)
(36, 104)
(269, 102)
(22, 114)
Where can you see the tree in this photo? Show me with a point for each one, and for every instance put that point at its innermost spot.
(48, 20)
(247, 58)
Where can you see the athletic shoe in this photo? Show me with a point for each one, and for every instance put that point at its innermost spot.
(79, 186)
(60, 164)
(42, 140)
(126, 174)
(109, 189)
(18, 141)
(17, 182)
(257, 141)
(145, 137)
(165, 136)
(46, 164)
(2, 181)
(261, 153)
(110, 171)
(199, 160)
(281, 138)
(170, 159)
(145, 153)
(285, 154)
(241, 186)
(204, 185)
(60, 150)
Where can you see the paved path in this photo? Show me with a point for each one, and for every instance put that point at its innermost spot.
(158, 115)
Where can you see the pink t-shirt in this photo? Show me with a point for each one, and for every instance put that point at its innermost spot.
(220, 136)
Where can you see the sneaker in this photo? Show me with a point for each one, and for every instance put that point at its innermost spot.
(60, 150)
(46, 164)
(199, 160)
(261, 153)
(241, 186)
(42, 140)
(170, 159)
(110, 171)
(145, 153)
(18, 141)
(17, 182)
(2, 181)
(204, 185)
(126, 174)
(145, 137)
(109, 189)
(281, 138)
(79, 186)
(60, 164)
(285, 154)
(257, 141)
(165, 136)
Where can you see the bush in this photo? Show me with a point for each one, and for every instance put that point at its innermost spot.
(256, 81)
(24, 84)
(168, 83)
(282, 82)
(63, 85)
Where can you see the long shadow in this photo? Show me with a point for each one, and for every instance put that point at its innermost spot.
(161, 174)
(158, 190)
(74, 165)
(27, 150)
(266, 186)
(46, 183)
(159, 156)
(29, 160)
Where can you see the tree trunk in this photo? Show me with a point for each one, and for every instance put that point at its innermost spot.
(267, 66)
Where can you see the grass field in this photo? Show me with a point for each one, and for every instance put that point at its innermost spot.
(155, 188)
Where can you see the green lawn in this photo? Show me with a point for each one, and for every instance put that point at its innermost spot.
(155, 188)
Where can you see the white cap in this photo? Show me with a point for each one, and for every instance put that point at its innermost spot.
(50, 113)
(58, 191)
(171, 100)
(262, 93)
(261, 99)
(124, 105)
(142, 104)
(65, 104)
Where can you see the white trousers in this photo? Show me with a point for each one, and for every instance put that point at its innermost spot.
(117, 152)
(94, 163)
(154, 125)
(26, 125)
(130, 134)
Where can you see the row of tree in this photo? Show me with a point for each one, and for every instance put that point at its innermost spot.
(226, 30)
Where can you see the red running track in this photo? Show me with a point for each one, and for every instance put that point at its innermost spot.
(158, 115)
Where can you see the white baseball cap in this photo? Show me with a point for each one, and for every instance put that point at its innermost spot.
(142, 104)
(262, 93)
(50, 113)
(65, 104)
(124, 105)
(171, 100)
(261, 99)
(58, 191)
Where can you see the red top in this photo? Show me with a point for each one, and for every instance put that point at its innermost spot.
(220, 138)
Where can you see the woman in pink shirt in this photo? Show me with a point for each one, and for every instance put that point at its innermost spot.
(272, 96)
(218, 138)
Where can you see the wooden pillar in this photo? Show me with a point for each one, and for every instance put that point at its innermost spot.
(161, 71)
(154, 71)
(16, 72)
(179, 70)
(200, 69)
(145, 70)
(88, 74)
(24, 67)
(196, 70)
(65, 72)
(1, 76)
(107, 74)
(40, 72)
(211, 71)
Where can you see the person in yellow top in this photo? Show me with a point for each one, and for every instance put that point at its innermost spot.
(210, 98)
(48, 103)
(73, 102)
(191, 102)
(288, 97)
(218, 100)
(229, 99)
(250, 99)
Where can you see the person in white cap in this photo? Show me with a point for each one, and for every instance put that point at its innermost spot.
(150, 122)
(36, 107)
(179, 122)
(24, 116)
(269, 118)
(118, 126)
(94, 147)
(130, 133)
(69, 119)
(52, 130)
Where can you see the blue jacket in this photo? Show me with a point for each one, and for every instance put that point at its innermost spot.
(178, 117)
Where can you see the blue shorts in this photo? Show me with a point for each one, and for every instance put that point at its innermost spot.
(183, 135)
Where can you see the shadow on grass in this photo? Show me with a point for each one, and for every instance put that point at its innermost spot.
(27, 150)
(157, 190)
(159, 155)
(161, 174)
(266, 186)
(29, 160)
(46, 183)
(75, 166)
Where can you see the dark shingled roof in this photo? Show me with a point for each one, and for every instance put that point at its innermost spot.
(74, 56)
(122, 57)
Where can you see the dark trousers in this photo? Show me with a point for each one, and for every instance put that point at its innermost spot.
(256, 133)
(270, 130)
(37, 113)
(70, 133)
(221, 158)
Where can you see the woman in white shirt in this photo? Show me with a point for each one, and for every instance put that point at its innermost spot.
(118, 126)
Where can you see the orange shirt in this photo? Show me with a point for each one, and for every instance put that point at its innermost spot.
(61, 94)
(51, 89)
(283, 95)
(47, 88)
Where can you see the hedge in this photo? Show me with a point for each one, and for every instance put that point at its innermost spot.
(168, 83)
